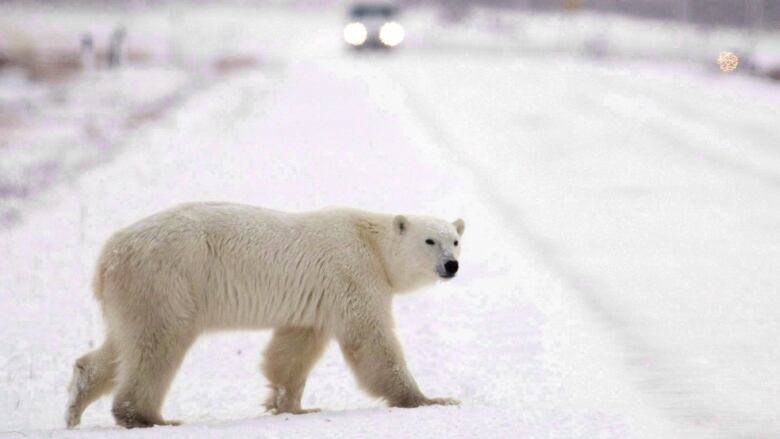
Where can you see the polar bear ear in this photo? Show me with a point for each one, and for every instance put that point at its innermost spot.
(459, 226)
(400, 224)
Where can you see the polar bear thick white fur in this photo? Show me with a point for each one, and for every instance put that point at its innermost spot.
(212, 266)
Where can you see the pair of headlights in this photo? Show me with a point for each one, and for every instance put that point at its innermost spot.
(391, 34)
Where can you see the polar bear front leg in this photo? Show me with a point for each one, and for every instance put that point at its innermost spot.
(374, 354)
(288, 359)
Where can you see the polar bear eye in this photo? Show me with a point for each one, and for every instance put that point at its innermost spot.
(429, 241)
(456, 243)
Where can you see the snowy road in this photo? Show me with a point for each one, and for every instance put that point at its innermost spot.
(234, 142)
(619, 264)
(654, 196)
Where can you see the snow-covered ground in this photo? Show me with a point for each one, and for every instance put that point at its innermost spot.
(53, 132)
(653, 194)
(619, 266)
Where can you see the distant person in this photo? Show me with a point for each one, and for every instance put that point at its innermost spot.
(116, 48)
(88, 56)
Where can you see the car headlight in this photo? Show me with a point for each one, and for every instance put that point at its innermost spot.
(391, 34)
(355, 33)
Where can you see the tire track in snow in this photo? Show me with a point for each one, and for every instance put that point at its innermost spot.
(711, 148)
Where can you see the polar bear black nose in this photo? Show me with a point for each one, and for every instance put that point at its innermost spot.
(451, 267)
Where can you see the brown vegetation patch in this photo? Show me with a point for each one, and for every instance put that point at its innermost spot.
(49, 66)
(230, 63)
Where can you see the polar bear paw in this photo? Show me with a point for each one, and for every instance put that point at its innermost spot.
(421, 401)
(441, 401)
(280, 401)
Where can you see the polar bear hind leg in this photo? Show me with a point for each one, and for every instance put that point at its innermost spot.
(93, 376)
(146, 369)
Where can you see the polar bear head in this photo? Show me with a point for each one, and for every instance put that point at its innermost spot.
(425, 250)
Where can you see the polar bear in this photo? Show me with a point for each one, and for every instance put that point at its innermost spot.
(310, 276)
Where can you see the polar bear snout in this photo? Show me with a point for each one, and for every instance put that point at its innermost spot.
(450, 269)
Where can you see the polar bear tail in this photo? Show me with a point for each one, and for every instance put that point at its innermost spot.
(109, 259)
(98, 282)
